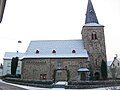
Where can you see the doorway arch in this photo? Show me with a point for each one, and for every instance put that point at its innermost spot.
(83, 76)
(97, 75)
(67, 71)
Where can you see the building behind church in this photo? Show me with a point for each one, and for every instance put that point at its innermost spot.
(68, 59)
(7, 59)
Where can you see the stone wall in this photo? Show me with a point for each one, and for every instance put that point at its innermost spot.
(33, 68)
(96, 47)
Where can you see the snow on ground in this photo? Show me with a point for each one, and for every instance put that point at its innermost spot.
(57, 89)
(25, 87)
(36, 88)
(61, 83)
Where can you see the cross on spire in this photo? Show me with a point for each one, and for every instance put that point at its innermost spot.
(90, 14)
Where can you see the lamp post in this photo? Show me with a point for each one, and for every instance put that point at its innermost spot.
(19, 42)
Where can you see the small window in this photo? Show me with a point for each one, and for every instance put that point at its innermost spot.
(73, 51)
(65, 67)
(59, 65)
(9, 65)
(80, 65)
(18, 64)
(91, 11)
(94, 36)
(59, 73)
(118, 64)
(18, 71)
(8, 71)
(37, 51)
(96, 62)
(53, 51)
(42, 76)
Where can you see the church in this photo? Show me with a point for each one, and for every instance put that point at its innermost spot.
(70, 60)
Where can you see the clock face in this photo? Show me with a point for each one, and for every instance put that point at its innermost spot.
(2, 8)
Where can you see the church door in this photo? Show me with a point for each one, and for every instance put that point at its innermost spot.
(61, 75)
(97, 76)
(83, 76)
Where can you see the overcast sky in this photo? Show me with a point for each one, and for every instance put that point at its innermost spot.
(28, 20)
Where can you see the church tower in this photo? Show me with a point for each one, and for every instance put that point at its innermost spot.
(94, 41)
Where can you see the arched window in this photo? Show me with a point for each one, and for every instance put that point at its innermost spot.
(65, 67)
(94, 36)
(37, 51)
(53, 51)
(91, 11)
(73, 51)
(96, 63)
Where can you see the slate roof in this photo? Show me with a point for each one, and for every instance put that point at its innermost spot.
(90, 14)
(118, 59)
(109, 63)
(56, 49)
(10, 55)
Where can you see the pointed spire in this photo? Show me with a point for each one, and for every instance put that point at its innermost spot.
(90, 14)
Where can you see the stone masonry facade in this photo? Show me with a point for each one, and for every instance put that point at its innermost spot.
(43, 69)
(94, 42)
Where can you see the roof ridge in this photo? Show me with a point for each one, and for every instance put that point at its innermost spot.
(58, 40)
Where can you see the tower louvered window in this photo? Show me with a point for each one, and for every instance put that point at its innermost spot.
(94, 36)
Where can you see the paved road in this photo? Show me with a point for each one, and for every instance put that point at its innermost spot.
(4, 86)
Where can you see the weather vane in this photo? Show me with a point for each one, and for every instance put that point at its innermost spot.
(2, 8)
